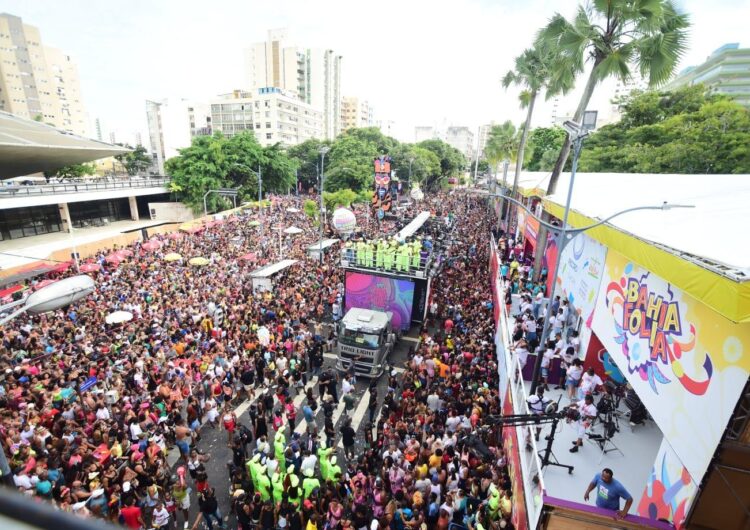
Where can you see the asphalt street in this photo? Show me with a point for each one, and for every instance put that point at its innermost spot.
(214, 441)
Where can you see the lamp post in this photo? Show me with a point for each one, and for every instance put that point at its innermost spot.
(411, 161)
(323, 150)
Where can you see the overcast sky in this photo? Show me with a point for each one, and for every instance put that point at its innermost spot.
(419, 62)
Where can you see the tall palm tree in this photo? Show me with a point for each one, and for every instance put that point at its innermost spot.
(615, 36)
(502, 143)
(537, 69)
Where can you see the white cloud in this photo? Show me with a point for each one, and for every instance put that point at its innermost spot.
(417, 61)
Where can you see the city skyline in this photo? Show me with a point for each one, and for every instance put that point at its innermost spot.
(413, 68)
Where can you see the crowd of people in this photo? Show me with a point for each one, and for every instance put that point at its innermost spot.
(89, 412)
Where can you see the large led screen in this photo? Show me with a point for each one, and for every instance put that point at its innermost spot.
(383, 294)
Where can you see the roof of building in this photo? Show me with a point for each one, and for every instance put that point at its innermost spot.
(270, 270)
(700, 250)
(27, 146)
(366, 319)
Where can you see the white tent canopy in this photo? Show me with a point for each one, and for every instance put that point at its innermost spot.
(412, 228)
(709, 231)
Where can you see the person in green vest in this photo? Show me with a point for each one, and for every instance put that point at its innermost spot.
(279, 443)
(380, 250)
(388, 255)
(309, 484)
(252, 469)
(294, 491)
(360, 252)
(416, 248)
(334, 470)
(264, 483)
(277, 483)
(323, 455)
(369, 254)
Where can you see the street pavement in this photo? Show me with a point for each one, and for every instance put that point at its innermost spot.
(214, 441)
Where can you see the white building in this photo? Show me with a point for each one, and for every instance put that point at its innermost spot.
(462, 138)
(423, 132)
(276, 116)
(171, 125)
(311, 75)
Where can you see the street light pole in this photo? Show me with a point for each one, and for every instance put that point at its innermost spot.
(323, 150)
(411, 161)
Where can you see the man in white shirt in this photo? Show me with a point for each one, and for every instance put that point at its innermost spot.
(588, 412)
(589, 382)
(309, 462)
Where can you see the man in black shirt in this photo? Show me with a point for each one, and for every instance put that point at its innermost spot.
(209, 508)
(347, 437)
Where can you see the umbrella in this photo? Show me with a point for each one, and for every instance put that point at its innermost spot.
(198, 261)
(172, 256)
(292, 210)
(151, 245)
(250, 256)
(114, 258)
(90, 267)
(253, 223)
(118, 317)
(175, 235)
(61, 267)
(293, 230)
(125, 252)
(44, 283)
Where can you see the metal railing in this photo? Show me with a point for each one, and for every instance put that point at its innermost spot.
(353, 258)
(81, 186)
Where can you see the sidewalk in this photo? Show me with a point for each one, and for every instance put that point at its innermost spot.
(23, 251)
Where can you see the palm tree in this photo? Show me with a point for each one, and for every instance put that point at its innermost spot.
(537, 69)
(502, 143)
(615, 36)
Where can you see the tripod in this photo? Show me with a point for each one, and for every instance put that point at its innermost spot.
(548, 457)
(609, 427)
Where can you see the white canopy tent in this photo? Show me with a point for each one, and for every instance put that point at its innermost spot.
(263, 278)
(412, 228)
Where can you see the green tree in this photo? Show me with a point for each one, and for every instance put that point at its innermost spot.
(685, 131)
(537, 69)
(614, 35)
(502, 144)
(136, 160)
(310, 208)
(451, 160)
(544, 144)
(307, 158)
(345, 198)
(73, 171)
(349, 163)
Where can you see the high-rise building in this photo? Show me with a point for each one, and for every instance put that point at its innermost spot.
(386, 126)
(423, 132)
(172, 124)
(138, 139)
(312, 75)
(355, 113)
(36, 81)
(725, 71)
(276, 116)
(484, 134)
(462, 138)
(98, 127)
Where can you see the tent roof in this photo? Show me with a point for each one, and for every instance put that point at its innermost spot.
(707, 232)
(270, 270)
(27, 146)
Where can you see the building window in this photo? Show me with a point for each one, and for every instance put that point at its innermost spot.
(269, 136)
(268, 125)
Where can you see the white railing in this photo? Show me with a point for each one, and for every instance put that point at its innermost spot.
(38, 190)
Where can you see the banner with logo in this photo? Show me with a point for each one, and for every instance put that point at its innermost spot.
(581, 269)
(687, 363)
(669, 490)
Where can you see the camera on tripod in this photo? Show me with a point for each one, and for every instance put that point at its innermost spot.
(570, 413)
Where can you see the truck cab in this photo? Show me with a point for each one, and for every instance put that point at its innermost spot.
(365, 338)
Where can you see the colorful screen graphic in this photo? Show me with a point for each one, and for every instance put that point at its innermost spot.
(383, 294)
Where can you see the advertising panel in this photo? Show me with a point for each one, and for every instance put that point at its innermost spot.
(687, 363)
(669, 490)
(532, 230)
(521, 223)
(581, 269)
(368, 291)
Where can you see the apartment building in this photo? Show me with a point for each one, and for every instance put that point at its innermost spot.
(38, 82)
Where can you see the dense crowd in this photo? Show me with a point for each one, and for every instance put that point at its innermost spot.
(201, 342)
